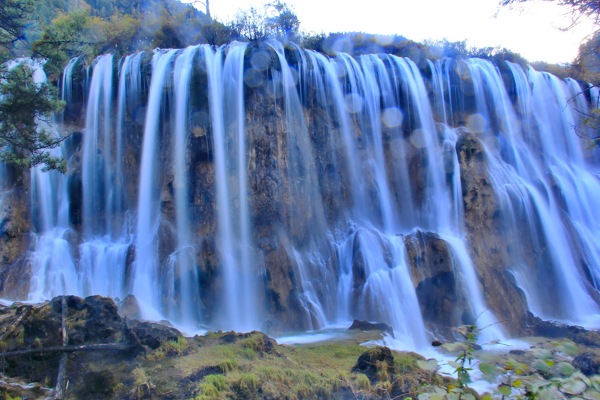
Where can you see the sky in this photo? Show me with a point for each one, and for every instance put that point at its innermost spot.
(532, 29)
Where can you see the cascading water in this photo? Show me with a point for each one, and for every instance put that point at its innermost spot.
(364, 152)
(53, 268)
(147, 280)
(182, 260)
(226, 94)
(519, 174)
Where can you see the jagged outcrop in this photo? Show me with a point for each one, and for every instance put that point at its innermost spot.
(433, 276)
(487, 235)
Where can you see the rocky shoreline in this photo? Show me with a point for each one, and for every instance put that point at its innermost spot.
(76, 348)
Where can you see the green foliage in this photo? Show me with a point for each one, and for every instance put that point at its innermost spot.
(218, 381)
(212, 387)
(26, 137)
(362, 382)
(405, 363)
(13, 18)
(140, 377)
(216, 33)
(63, 40)
(464, 361)
(228, 365)
(170, 349)
(247, 385)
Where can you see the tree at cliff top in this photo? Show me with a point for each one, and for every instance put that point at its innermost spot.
(25, 106)
(274, 20)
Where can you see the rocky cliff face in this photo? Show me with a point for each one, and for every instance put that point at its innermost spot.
(488, 234)
(15, 236)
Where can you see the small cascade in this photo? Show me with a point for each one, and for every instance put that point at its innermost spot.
(239, 269)
(53, 266)
(97, 162)
(147, 282)
(181, 262)
(518, 172)
(66, 87)
(129, 102)
(307, 214)
(567, 186)
(371, 265)
(374, 284)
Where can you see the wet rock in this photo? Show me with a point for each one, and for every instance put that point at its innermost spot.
(374, 361)
(587, 363)
(489, 236)
(370, 326)
(15, 241)
(129, 307)
(255, 340)
(432, 273)
(552, 329)
(89, 321)
(153, 335)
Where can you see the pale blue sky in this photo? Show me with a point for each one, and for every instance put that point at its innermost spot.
(533, 31)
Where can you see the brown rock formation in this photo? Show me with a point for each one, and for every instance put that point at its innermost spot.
(432, 274)
(487, 236)
(15, 237)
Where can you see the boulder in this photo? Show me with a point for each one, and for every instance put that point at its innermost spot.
(255, 340)
(552, 329)
(374, 361)
(489, 235)
(587, 363)
(129, 308)
(432, 273)
(370, 326)
(89, 321)
(152, 334)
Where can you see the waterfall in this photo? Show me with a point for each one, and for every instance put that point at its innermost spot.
(363, 155)
(53, 265)
(225, 87)
(147, 282)
(129, 100)
(183, 257)
(97, 162)
(567, 186)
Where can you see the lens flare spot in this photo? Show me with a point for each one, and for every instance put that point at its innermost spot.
(253, 78)
(476, 123)
(260, 60)
(392, 117)
(417, 138)
(354, 103)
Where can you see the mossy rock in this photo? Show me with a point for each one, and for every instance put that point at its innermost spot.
(374, 363)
